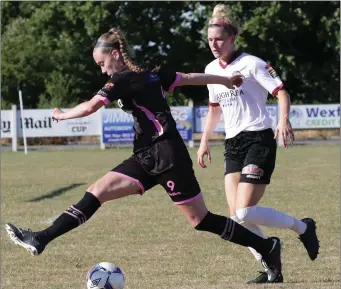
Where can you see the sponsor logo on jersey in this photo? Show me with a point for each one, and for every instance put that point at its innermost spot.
(238, 73)
(109, 85)
(102, 93)
(124, 107)
(252, 171)
(271, 71)
(228, 97)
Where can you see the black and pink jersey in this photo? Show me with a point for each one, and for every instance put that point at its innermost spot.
(143, 95)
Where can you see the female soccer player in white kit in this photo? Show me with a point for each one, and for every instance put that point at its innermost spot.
(250, 145)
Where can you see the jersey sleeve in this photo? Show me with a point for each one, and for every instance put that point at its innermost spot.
(212, 99)
(267, 77)
(169, 79)
(118, 86)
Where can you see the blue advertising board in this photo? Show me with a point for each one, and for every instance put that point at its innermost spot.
(117, 125)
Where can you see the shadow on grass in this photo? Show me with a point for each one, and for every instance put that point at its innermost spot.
(56, 193)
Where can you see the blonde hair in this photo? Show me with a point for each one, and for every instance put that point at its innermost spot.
(118, 41)
(221, 16)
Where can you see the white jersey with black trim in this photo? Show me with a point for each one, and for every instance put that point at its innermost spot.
(244, 107)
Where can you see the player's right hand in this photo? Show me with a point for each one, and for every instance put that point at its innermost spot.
(203, 150)
(235, 81)
(56, 114)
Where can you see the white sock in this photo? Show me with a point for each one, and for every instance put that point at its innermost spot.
(254, 229)
(271, 218)
(299, 227)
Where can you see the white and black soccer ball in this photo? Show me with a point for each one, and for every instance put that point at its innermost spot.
(105, 275)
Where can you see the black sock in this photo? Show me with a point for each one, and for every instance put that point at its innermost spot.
(231, 231)
(73, 217)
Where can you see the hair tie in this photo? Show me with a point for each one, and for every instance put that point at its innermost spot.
(218, 22)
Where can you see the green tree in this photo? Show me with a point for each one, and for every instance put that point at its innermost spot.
(47, 46)
(300, 39)
(50, 53)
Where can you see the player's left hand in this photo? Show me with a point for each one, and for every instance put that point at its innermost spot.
(284, 130)
(203, 150)
(56, 114)
(235, 81)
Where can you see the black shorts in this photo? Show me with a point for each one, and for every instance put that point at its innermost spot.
(253, 153)
(166, 163)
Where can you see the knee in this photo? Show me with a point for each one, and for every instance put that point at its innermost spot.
(99, 190)
(245, 214)
(94, 189)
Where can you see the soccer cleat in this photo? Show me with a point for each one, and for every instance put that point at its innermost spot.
(309, 238)
(263, 278)
(26, 239)
(272, 261)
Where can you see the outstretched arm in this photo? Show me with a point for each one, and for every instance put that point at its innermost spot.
(84, 109)
(204, 78)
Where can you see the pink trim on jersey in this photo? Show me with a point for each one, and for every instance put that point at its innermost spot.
(176, 81)
(102, 98)
(213, 104)
(136, 181)
(223, 65)
(189, 200)
(152, 117)
(278, 88)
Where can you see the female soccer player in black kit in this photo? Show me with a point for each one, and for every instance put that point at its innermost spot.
(159, 155)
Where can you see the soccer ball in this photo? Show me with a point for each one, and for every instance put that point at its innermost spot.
(105, 275)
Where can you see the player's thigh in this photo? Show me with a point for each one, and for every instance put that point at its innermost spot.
(258, 167)
(231, 191)
(128, 178)
(182, 186)
(234, 156)
(260, 159)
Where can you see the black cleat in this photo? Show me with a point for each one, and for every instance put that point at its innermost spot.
(309, 238)
(263, 278)
(26, 239)
(272, 261)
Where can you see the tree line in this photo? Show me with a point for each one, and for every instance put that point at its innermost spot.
(47, 47)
